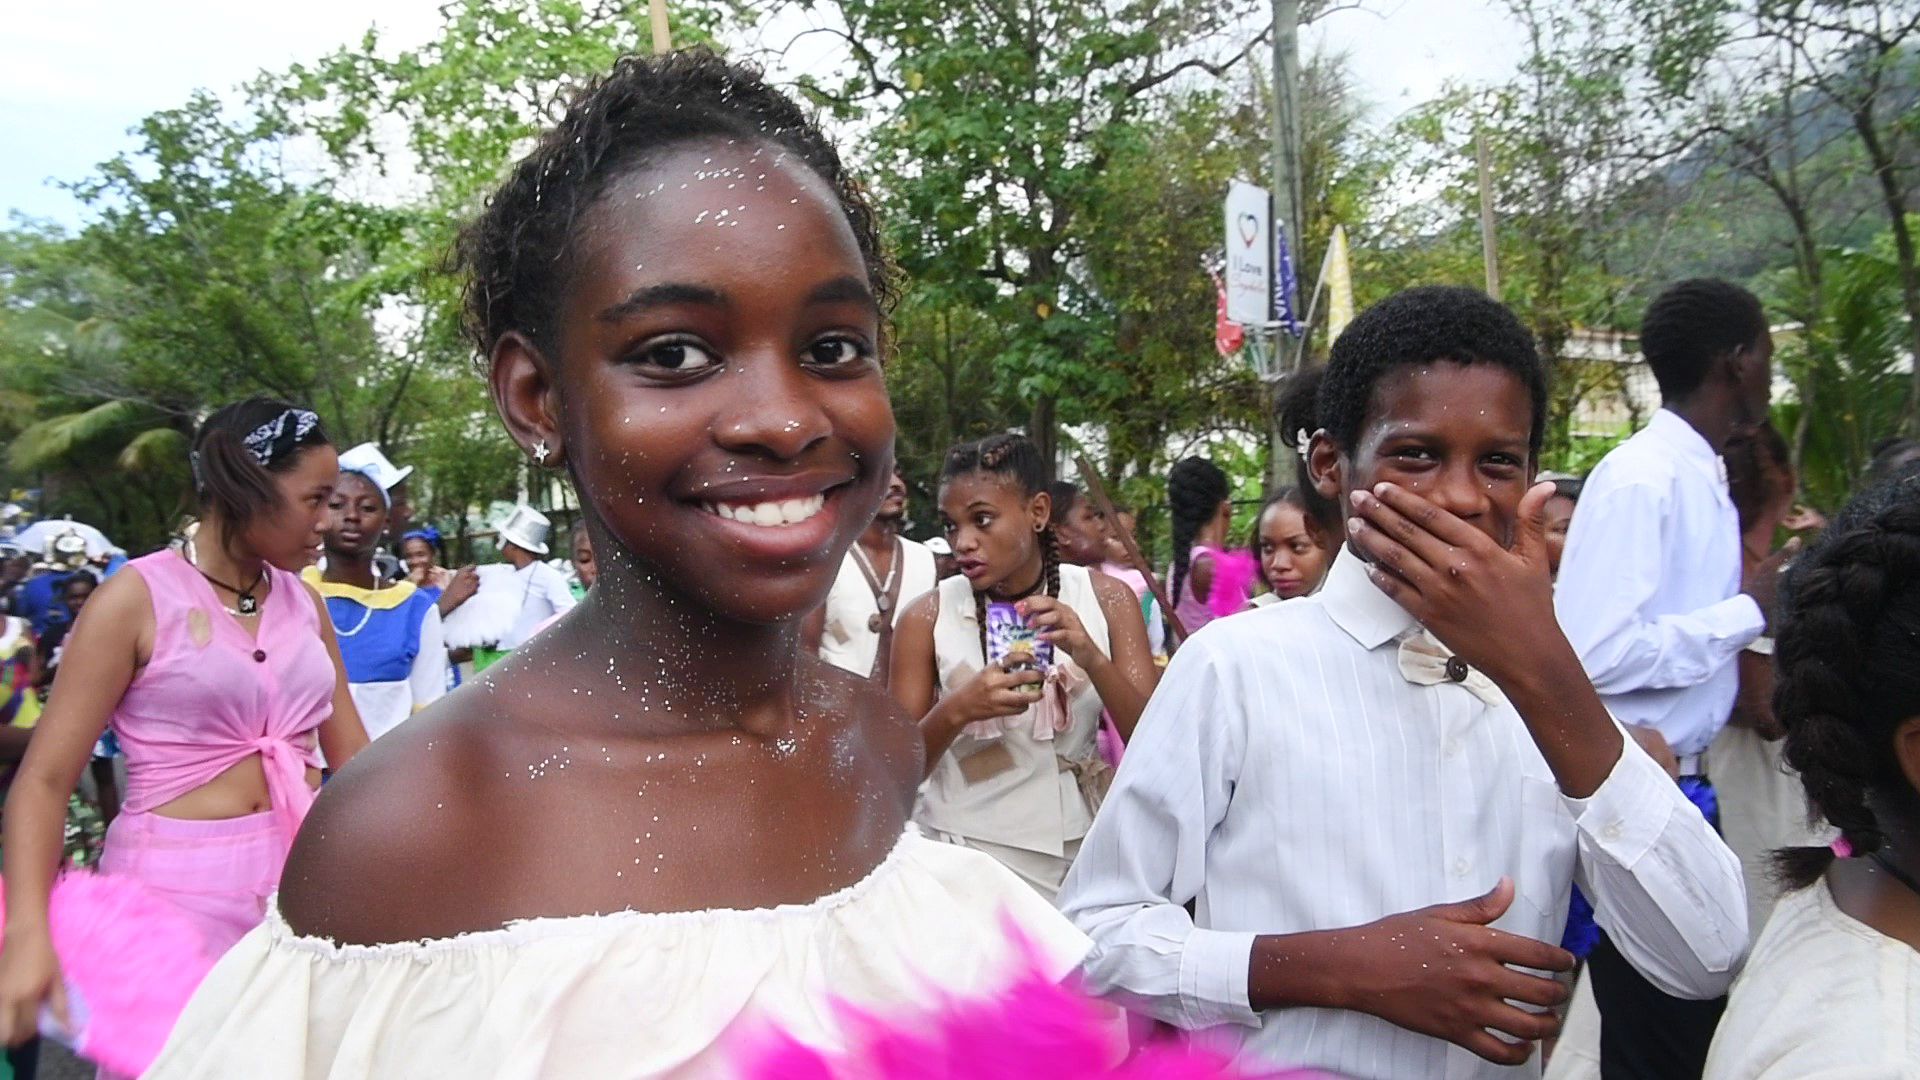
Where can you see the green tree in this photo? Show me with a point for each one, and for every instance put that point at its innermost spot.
(456, 112)
(990, 129)
(1853, 351)
(1572, 142)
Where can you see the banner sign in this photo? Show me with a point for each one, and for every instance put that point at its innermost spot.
(1339, 284)
(1227, 334)
(1249, 252)
(1285, 287)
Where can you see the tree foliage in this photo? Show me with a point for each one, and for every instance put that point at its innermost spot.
(1050, 177)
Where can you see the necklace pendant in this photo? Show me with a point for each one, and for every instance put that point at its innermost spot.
(248, 605)
(885, 602)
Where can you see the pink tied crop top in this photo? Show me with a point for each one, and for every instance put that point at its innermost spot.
(201, 706)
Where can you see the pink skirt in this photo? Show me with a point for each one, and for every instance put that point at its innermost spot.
(218, 873)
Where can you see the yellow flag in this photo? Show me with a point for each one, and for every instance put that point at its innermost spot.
(1339, 284)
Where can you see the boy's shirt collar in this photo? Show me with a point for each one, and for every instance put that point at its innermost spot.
(1671, 428)
(1356, 604)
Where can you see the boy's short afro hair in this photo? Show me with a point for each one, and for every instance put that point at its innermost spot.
(1693, 323)
(1423, 325)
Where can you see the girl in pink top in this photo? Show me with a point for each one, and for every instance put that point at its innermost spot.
(1199, 502)
(218, 671)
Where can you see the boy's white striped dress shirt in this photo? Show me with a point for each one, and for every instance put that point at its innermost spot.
(1287, 777)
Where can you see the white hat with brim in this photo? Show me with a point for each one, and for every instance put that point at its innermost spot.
(369, 461)
(527, 529)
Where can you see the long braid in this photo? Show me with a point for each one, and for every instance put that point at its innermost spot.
(1195, 489)
(1050, 560)
(1848, 662)
(980, 617)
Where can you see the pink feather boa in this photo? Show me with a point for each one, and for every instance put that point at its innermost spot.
(1035, 1028)
(130, 962)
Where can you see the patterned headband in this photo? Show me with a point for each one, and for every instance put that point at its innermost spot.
(270, 441)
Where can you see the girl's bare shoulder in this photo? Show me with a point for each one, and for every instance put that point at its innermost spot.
(394, 832)
(868, 715)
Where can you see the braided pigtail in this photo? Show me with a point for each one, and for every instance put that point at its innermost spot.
(1050, 560)
(1195, 489)
(980, 617)
(1848, 670)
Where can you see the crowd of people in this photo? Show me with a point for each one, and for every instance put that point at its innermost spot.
(1439, 766)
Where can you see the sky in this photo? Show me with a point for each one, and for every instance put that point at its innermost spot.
(77, 74)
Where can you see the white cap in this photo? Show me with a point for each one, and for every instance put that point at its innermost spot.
(527, 529)
(939, 546)
(367, 459)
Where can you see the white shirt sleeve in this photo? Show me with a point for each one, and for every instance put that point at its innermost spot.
(554, 585)
(1145, 857)
(1607, 580)
(1664, 886)
(427, 680)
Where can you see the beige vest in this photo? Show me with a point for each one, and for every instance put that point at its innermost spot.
(1028, 798)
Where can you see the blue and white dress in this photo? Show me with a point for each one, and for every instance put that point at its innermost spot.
(391, 644)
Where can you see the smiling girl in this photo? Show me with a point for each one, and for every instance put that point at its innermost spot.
(1013, 769)
(660, 818)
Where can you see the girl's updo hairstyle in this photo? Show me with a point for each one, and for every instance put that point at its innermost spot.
(515, 254)
(1014, 459)
(238, 451)
(1848, 669)
(1296, 409)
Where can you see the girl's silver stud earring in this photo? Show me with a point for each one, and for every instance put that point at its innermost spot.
(540, 451)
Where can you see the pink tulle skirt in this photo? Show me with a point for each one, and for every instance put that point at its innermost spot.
(217, 874)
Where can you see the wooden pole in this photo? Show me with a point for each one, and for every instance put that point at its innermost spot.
(662, 41)
(1489, 251)
(1099, 493)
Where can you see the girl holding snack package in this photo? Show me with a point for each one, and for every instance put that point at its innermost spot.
(1008, 666)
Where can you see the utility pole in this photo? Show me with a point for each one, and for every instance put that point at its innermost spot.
(1286, 211)
(1286, 131)
(657, 15)
(1489, 248)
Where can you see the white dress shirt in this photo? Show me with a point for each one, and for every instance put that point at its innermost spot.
(543, 594)
(1649, 589)
(1286, 777)
(846, 641)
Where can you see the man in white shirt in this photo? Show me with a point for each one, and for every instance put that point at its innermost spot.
(881, 574)
(1650, 594)
(1378, 833)
(541, 590)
